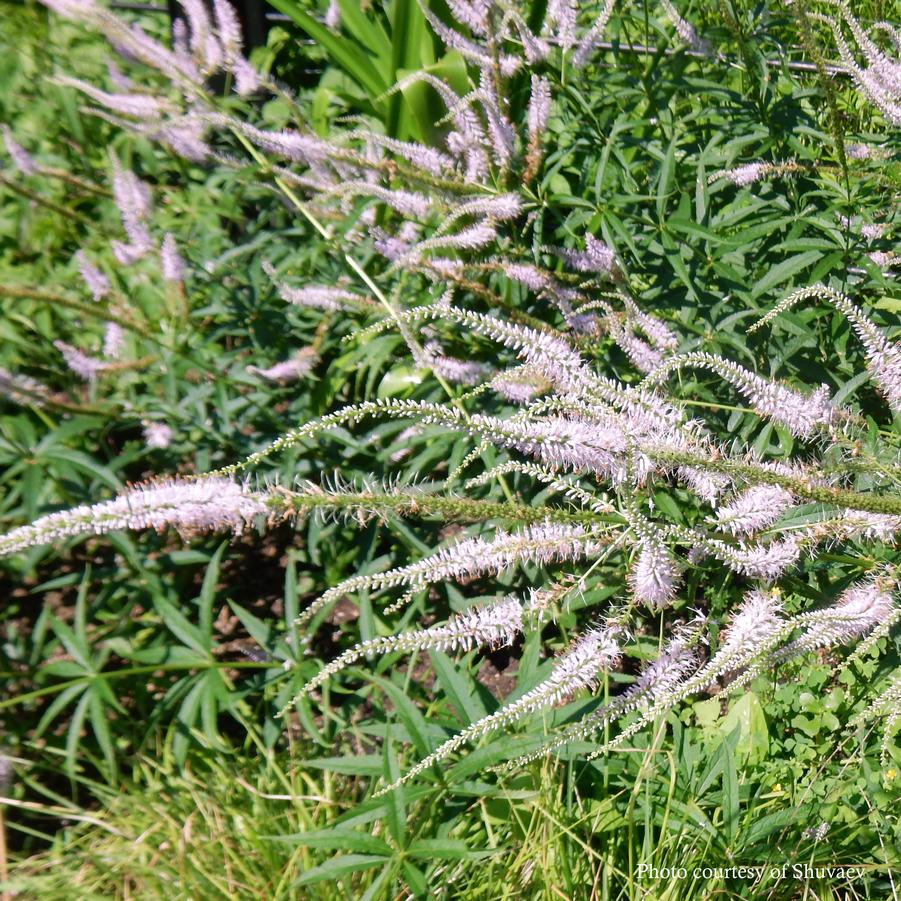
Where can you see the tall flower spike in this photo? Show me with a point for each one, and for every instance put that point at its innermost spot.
(85, 367)
(205, 504)
(883, 357)
(493, 625)
(749, 173)
(97, 283)
(228, 27)
(171, 263)
(541, 544)
(419, 155)
(132, 198)
(289, 370)
(456, 371)
(656, 683)
(759, 561)
(685, 30)
(859, 610)
(140, 106)
(597, 256)
(22, 389)
(113, 340)
(753, 631)
(801, 415)
(654, 575)
(315, 296)
(560, 19)
(18, 154)
(537, 119)
(586, 45)
(753, 510)
(577, 668)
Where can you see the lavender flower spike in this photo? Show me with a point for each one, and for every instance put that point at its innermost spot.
(289, 370)
(206, 504)
(859, 610)
(228, 27)
(139, 106)
(754, 509)
(655, 574)
(97, 283)
(18, 154)
(597, 256)
(85, 367)
(157, 435)
(113, 339)
(132, 199)
(595, 652)
(316, 296)
(494, 625)
(172, 264)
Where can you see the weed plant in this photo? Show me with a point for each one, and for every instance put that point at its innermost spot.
(548, 351)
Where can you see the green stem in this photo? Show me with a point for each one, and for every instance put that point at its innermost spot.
(854, 500)
(450, 508)
(42, 201)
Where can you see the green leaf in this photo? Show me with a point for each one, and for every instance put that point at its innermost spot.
(177, 623)
(338, 838)
(446, 849)
(730, 792)
(782, 272)
(408, 713)
(351, 765)
(346, 54)
(665, 179)
(342, 865)
(458, 688)
(746, 714)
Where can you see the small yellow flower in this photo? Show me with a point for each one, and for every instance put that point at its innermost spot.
(891, 773)
(777, 788)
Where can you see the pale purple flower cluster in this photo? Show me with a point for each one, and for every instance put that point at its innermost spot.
(685, 30)
(493, 625)
(22, 389)
(158, 435)
(113, 340)
(85, 367)
(207, 504)
(654, 576)
(883, 356)
(520, 385)
(801, 414)
(97, 283)
(858, 610)
(760, 561)
(454, 370)
(597, 256)
(315, 296)
(132, 198)
(290, 370)
(754, 509)
(18, 154)
(138, 106)
(539, 107)
(745, 175)
(756, 624)
(879, 80)
(171, 262)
